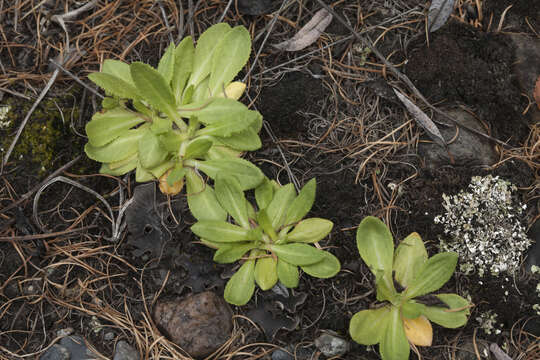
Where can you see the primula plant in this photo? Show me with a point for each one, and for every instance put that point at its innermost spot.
(184, 116)
(273, 240)
(405, 317)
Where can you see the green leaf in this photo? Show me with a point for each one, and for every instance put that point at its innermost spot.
(220, 231)
(297, 254)
(454, 316)
(166, 64)
(206, 45)
(143, 108)
(394, 344)
(202, 201)
(176, 174)
(108, 125)
(171, 141)
(240, 287)
(217, 110)
(328, 267)
(119, 170)
(200, 94)
(302, 203)
(288, 273)
(310, 230)
(435, 272)
(114, 85)
(197, 148)
(154, 88)
(142, 174)
(161, 125)
(376, 248)
(217, 152)
(229, 58)
(409, 258)
(277, 209)
(187, 96)
(251, 211)
(215, 245)
(247, 174)
(161, 168)
(118, 69)
(264, 193)
(231, 198)
(246, 140)
(229, 253)
(385, 287)
(411, 309)
(266, 225)
(230, 126)
(119, 149)
(109, 103)
(266, 273)
(183, 64)
(151, 153)
(368, 327)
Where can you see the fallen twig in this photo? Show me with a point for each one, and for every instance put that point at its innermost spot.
(27, 195)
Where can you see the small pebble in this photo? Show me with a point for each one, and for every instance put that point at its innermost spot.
(108, 336)
(64, 332)
(124, 351)
(199, 323)
(55, 352)
(331, 345)
(281, 355)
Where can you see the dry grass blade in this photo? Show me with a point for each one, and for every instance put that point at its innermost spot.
(536, 93)
(439, 12)
(422, 119)
(309, 33)
(498, 353)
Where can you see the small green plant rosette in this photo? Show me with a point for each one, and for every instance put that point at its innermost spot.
(273, 240)
(418, 275)
(177, 117)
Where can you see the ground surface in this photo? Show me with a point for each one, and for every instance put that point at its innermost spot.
(330, 115)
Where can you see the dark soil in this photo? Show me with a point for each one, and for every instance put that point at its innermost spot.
(465, 65)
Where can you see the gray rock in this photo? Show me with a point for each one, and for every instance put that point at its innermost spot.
(77, 348)
(533, 254)
(55, 352)
(124, 351)
(108, 336)
(468, 149)
(332, 345)
(281, 355)
(466, 350)
(32, 287)
(199, 324)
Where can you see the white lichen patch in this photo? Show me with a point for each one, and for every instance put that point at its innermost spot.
(4, 110)
(488, 322)
(484, 225)
(536, 307)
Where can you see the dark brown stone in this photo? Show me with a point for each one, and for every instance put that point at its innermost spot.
(467, 148)
(200, 323)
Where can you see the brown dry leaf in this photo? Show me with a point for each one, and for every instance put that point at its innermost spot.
(422, 119)
(536, 92)
(166, 188)
(418, 331)
(309, 33)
